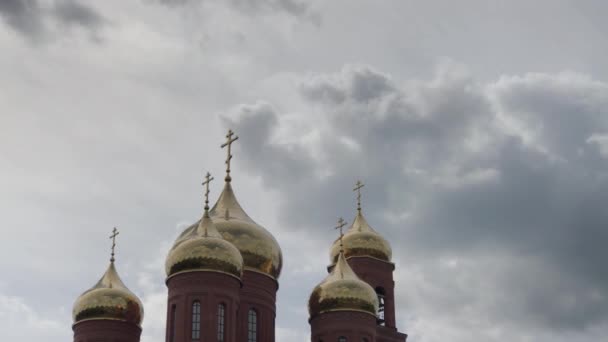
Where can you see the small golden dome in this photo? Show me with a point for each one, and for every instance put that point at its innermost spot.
(362, 240)
(260, 251)
(204, 249)
(109, 299)
(342, 290)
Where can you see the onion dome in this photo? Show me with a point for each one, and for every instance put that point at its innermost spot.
(362, 240)
(342, 290)
(202, 248)
(109, 299)
(260, 251)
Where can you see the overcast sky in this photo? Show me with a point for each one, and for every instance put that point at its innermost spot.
(479, 127)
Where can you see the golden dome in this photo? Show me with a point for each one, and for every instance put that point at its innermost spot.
(109, 299)
(362, 240)
(342, 290)
(203, 249)
(260, 251)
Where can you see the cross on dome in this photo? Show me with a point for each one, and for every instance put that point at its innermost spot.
(229, 141)
(357, 188)
(115, 232)
(341, 224)
(208, 180)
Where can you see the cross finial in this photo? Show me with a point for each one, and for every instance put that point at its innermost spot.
(208, 180)
(357, 188)
(229, 141)
(113, 237)
(341, 224)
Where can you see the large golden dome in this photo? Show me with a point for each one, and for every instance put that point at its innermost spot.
(203, 249)
(342, 290)
(362, 240)
(260, 251)
(109, 299)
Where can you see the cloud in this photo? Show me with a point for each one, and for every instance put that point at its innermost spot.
(70, 12)
(23, 16)
(16, 316)
(39, 22)
(601, 142)
(505, 171)
(296, 8)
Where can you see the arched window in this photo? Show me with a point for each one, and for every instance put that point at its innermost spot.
(196, 320)
(252, 326)
(341, 339)
(221, 322)
(172, 324)
(380, 293)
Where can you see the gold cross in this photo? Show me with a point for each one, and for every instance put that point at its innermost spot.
(208, 180)
(341, 224)
(228, 143)
(357, 188)
(113, 237)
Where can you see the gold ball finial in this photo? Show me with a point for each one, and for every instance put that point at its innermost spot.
(115, 232)
(229, 140)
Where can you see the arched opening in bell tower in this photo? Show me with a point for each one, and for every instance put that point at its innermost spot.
(381, 303)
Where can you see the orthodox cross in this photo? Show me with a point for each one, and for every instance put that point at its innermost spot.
(357, 188)
(208, 180)
(229, 141)
(113, 237)
(341, 224)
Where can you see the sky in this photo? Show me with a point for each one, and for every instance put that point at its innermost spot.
(480, 129)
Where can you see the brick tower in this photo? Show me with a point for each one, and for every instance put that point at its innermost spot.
(250, 297)
(369, 256)
(262, 261)
(343, 307)
(204, 280)
(108, 312)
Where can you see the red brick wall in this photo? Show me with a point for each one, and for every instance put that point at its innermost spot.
(210, 289)
(259, 292)
(106, 331)
(353, 325)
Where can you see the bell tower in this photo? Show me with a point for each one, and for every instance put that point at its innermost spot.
(369, 255)
(343, 307)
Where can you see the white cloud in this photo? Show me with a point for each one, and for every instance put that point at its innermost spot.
(23, 321)
(601, 142)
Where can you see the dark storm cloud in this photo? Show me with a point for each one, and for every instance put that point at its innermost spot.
(297, 8)
(35, 21)
(71, 12)
(457, 168)
(23, 16)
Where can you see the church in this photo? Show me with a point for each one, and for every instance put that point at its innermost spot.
(223, 276)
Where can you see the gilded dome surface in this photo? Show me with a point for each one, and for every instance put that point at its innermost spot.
(108, 299)
(204, 249)
(362, 240)
(342, 290)
(260, 251)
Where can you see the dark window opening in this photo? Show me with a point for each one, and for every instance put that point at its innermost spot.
(196, 320)
(252, 326)
(381, 302)
(221, 322)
